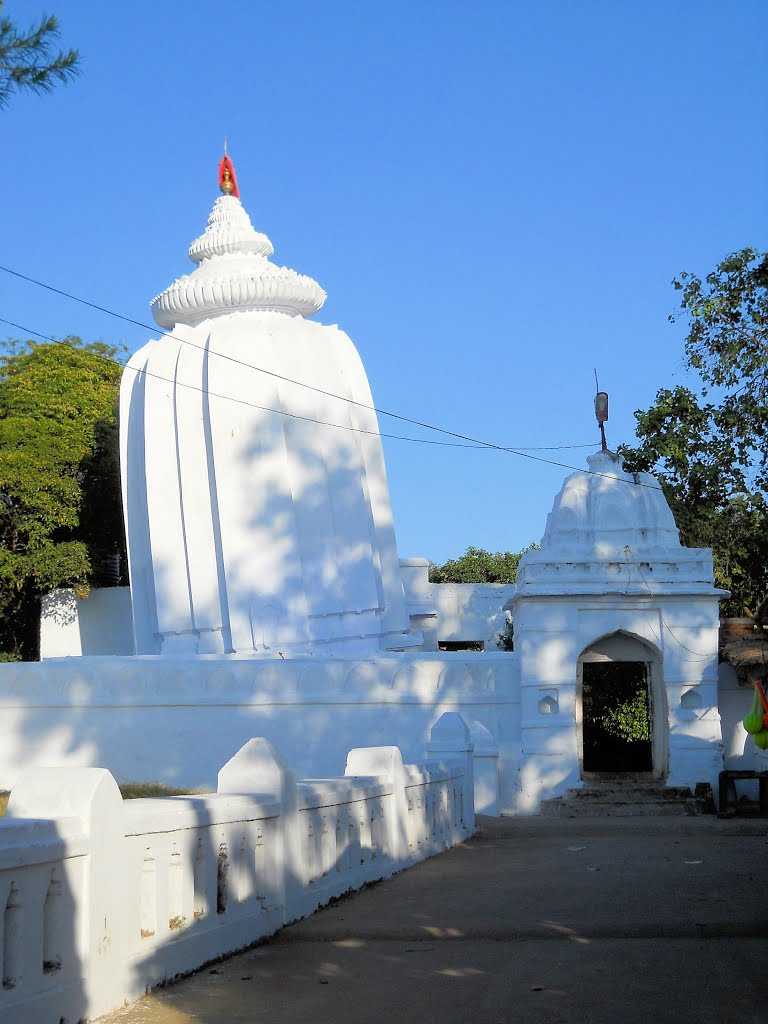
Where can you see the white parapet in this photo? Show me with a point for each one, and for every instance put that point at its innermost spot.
(102, 899)
(176, 721)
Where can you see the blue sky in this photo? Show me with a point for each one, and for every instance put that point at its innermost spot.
(495, 196)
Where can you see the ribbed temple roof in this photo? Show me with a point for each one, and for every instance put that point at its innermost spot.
(234, 274)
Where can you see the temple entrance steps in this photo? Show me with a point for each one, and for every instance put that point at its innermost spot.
(613, 799)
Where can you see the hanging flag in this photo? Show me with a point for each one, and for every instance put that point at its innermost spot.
(228, 178)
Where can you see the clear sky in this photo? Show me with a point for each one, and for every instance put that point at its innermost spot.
(495, 196)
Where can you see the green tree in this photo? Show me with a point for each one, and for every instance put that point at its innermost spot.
(27, 60)
(60, 515)
(708, 444)
(477, 565)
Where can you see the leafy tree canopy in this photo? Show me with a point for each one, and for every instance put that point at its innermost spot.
(709, 444)
(477, 565)
(60, 516)
(27, 59)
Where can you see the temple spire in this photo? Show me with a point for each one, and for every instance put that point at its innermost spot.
(233, 270)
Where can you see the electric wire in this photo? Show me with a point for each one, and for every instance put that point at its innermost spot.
(242, 362)
(698, 655)
(264, 408)
(473, 441)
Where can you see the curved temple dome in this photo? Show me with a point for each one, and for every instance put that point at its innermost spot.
(601, 512)
(612, 530)
(257, 510)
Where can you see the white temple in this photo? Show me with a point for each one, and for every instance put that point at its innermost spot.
(263, 557)
(257, 509)
(611, 583)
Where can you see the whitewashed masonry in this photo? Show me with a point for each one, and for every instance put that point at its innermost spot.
(611, 581)
(257, 509)
(103, 899)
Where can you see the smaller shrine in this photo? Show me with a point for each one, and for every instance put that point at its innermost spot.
(616, 632)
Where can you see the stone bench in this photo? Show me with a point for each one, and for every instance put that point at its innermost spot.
(727, 790)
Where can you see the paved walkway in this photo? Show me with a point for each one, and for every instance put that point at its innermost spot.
(536, 921)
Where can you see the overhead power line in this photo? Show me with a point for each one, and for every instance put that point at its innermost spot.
(272, 373)
(467, 438)
(266, 408)
(697, 655)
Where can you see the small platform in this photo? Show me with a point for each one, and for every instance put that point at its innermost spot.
(728, 800)
(626, 799)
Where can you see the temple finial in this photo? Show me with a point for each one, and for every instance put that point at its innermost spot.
(227, 176)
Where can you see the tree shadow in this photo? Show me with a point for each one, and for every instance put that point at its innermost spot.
(205, 875)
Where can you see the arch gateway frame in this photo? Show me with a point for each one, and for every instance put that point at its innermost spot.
(623, 648)
(553, 632)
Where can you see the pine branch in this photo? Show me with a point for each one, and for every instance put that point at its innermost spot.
(27, 60)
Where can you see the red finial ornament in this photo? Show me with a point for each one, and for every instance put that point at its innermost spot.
(228, 178)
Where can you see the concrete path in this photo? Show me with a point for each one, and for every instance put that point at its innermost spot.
(610, 921)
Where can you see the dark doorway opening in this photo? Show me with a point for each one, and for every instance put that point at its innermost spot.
(461, 645)
(617, 717)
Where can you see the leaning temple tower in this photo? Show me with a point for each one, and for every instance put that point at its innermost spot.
(256, 499)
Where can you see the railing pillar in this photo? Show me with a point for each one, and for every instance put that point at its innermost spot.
(100, 928)
(450, 740)
(386, 763)
(258, 770)
(486, 769)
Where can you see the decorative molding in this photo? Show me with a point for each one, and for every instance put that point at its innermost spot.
(229, 231)
(234, 274)
(612, 532)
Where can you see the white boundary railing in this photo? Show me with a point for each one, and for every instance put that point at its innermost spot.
(102, 899)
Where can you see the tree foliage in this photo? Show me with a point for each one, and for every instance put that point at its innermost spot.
(27, 58)
(627, 719)
(60, 515)
(709, 444)
(477, 565)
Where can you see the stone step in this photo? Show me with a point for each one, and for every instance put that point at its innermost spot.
(623, 794)
(560, 808)
(623, 779)
(631, 799)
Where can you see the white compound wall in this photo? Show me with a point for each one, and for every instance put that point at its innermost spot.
(176, 720)
(201, 876)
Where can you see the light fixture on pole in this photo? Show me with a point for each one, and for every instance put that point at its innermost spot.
(601, 414)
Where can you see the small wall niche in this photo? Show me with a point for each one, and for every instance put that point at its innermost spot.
(12, 938)
(222, 873)
(244, 877)
(691, 700)
(148, 896)
(200, 897)
(260, 868)
(53, 925)
(176, 918)
(549, 704)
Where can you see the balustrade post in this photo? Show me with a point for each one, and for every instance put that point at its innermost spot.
(90, 794)
(450, 740)
(258, 771)
(386, 765)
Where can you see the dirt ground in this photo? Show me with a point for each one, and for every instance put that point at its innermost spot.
(533, 920)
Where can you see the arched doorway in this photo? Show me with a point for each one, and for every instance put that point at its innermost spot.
(621, 709)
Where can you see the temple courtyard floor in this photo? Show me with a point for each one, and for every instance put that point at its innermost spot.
(542, 921)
